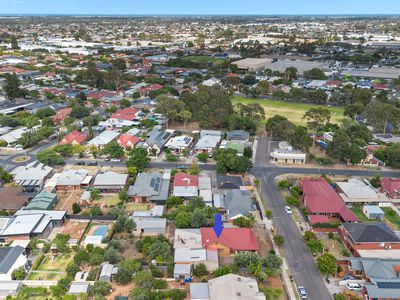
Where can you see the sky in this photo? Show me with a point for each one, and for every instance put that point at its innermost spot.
(200, 7)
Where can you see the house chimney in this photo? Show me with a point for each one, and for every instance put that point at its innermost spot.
(396, 269)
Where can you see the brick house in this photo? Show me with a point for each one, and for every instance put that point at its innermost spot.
(74, 138)
(391, 187)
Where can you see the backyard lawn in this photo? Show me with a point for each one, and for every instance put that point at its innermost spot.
(108, 200)
(292, 111)
(334, 247)
(45, 276)
(360, 215)
(56, 262)
(391, 217)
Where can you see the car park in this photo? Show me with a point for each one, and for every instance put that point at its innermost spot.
(288, 210)
(302, 292)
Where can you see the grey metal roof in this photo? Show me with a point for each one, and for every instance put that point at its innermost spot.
(150, 223)
(110, 179)
(371, 233)
(154, 185)
(199, 291)
(8, 256)
(238, 202)
(238, 135)
(158, 138)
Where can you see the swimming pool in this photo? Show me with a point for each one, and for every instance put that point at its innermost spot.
(101, 230)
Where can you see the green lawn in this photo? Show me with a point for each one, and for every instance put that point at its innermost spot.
(59, 263)
(391, 216)
(292, 111)
(203, 58)
(108, 200)
(361, 216)
(45, 276)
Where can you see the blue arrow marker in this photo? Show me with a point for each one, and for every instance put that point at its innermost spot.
(218, 227)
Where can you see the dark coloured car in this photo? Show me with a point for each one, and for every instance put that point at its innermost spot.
(92, 163)
(80, 163)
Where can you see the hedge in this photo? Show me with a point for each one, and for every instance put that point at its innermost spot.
(326, 225)
(38, 262)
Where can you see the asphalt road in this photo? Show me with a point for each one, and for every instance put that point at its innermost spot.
(299, 259)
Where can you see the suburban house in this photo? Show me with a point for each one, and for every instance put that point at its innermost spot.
(186, 185)
(128, 114)
(12, 258)
(381, 276)
(71, 180)
(25, 224)
(12, 198)
(231, 240)
(238, 135)
(156, 141)
(128, 141)
(110, 182)
(178, 144)
(230, 286)
(287, 155)
(205, 191)
(238, 146)
(368, 236)
(74, 138)
(150, 188)
(104, 138)
(207, 144)
(356, 191)
(391, 187)
(236, 203)
(323, 204)
(61, 114)
(150, 226)
(32, 176)
(189, 250)
(43, 201)
(107, 271)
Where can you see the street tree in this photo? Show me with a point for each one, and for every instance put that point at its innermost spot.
(316, 118)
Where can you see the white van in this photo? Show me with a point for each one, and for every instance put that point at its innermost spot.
(353, 286)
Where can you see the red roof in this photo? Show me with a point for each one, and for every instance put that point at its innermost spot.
(128, 114)
(182, 179)
(314, 219)
(127, 139)
(237, 239)
(333, 83)
(62, 114)
(320, 197)
(381, 86)
(74, 136)
(391, 186)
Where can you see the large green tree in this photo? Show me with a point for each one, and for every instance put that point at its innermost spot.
(12, 87)
(316, 118)
(279, 127)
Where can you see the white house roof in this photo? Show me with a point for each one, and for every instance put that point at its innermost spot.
(110, 179)
(104, 138)
(187, 238)
(208, 141)
(355, 189)
(190, 255)
(179, 142)
(33, 171)
(72, 177)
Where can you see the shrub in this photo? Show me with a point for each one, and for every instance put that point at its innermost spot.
(156, 272)
(38, 262)
(292, 201)
(330, 235)
(160, 284)
(283, 184)
(200, 270)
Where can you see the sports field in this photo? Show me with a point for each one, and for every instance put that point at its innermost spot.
(292, 111)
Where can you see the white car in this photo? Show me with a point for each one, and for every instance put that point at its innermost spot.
(288, 210)
(353, 286)
(115, 159)
(302, 292)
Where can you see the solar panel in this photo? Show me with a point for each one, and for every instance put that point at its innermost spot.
(156, 186)
(388, 285)
(158, 180)
(152, 182)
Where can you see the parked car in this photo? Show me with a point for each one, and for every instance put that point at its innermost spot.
(353, 286)
(348, 277)
(288, 210)
(181, 167)
(115, 159)
(302, 292)
(92, 163)
(80, 163)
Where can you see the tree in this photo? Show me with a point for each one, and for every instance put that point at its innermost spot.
(272, 261)
(19, 274)
(243, 259)
(229, 161)
(96, 211)
(169, 107)
(64, 150)
(339, 148)
(50, 157)
(315, 246)
(160, 250)
(356, 154)
(198, 219)
(183, 220)
(326, 264)
(101, 288)
(244, 222)
(113, 150)
(380, 114)
(279, 240)
(263, 87)
(12, 87)
(203, 157)
(353, 109)
(112, 255)
(14, 42)
(185, 115)
(174, 201)
(279, 127)
(316, 118)
(300, 139)
(200, 270)
(283, 184)
(290, 73)
(76, 208)
(143, 279)
(129, 225)
(79, 111)
(4, 175)
(94, 194)
(314, 74)
(248, 152)
(123, 195)
(138, 159)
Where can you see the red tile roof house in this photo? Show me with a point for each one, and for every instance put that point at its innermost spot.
(323, 204)
(62, 114)
(231, 240)
(127, 141)
(128, 114)
(74, 138)
(391, 187)
(186, 185)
